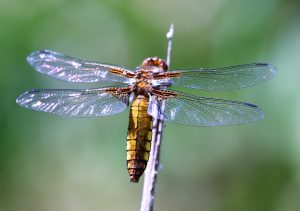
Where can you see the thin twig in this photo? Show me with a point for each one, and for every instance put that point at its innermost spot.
(170, 36)
(151, 172)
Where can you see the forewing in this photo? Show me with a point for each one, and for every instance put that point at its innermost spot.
(76, 103)
(225, 78)
(71, 69)
(200, 111)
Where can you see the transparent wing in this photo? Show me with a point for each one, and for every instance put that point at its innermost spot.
(225, 78)
(71, 69)
(200, 111)
(76, 103)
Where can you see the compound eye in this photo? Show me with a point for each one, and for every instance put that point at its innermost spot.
(163, 65)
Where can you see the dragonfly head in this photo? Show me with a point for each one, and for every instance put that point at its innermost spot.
(156, 62)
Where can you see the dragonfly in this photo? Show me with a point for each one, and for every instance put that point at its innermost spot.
(143, 90)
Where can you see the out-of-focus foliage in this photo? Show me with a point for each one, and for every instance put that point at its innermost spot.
(54, 163)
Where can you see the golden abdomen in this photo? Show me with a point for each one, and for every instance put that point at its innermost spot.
(138, 138)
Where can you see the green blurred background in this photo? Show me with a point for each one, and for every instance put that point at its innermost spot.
(53, 163)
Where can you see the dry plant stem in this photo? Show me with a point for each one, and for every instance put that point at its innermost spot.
(150, 179)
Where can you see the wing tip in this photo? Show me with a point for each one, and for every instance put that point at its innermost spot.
(259, 112)
(273, 70)
(35, 56)
(25, 95)
(20, 98)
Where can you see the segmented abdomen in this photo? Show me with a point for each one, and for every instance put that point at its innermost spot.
(138, 138)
